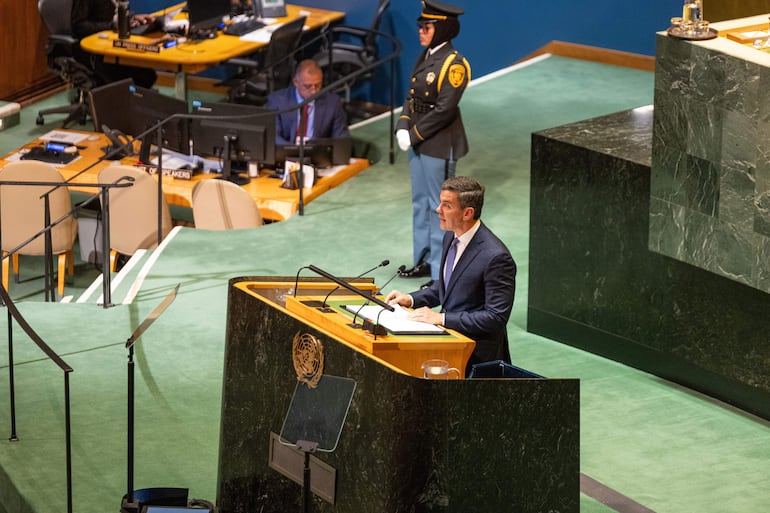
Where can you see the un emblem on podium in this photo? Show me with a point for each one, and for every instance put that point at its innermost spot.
(308, 357)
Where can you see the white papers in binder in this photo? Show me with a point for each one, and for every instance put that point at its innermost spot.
(396, 322)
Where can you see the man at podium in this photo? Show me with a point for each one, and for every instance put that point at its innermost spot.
(477, 282)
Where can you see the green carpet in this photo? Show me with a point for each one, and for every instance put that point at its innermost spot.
(663, 446)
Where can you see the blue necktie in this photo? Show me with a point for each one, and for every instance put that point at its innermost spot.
(449, 262)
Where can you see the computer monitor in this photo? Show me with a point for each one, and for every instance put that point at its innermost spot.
(323, 152)
(148, 108)
(111, 105)
(205, 16)
(111, 112)
(235, 133)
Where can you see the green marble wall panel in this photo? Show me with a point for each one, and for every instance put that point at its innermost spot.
(595, 284)
(408, 444)
(711, 161)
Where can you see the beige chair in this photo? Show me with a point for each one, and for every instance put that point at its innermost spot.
(133, 212)
(222, 205)
(23, 215)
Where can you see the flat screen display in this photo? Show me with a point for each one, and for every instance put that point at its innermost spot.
(206, 15)
(250, 130)
(148, 108)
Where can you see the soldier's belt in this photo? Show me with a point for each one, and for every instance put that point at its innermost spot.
(419, 106)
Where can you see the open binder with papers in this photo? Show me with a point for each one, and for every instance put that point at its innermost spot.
(396, 322)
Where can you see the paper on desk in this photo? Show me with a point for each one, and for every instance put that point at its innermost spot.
(308, 174)
(64, 137)
(396, 322)
(329, 171)
(757, 34)
(262, 35)
(171, 162)
(176, 25)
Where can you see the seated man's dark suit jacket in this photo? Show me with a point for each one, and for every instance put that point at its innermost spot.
(330, 119)
(479, 298)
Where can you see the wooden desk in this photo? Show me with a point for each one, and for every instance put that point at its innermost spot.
(274, 202)
(195, 56)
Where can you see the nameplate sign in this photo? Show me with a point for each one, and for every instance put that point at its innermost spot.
(181, 174)
(139, 47)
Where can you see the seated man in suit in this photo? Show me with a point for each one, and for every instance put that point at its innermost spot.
(477, 281)
(325, 116)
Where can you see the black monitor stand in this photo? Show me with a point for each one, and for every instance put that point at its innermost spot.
(227, 162)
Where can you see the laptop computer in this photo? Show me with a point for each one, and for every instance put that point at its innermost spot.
(157, 25)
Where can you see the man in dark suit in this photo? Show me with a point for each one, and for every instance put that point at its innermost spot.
(477, 282)
(324, 116)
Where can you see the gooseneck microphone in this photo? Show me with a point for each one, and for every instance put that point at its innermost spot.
(398, 272)
(296, 280)
(353, 323)
(355, 290)
(381, 264)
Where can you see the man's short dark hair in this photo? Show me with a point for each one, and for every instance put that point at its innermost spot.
(470, 193)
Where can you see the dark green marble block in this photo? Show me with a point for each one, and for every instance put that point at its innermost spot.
(710, 188)
(595, 284)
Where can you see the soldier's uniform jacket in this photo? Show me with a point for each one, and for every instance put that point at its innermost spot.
(431, 112)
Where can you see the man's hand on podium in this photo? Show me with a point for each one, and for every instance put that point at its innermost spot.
(425, 314)
(399, 298)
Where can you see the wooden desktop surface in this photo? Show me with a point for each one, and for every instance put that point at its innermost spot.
(275, 203)
(196, 56)
(405, 352)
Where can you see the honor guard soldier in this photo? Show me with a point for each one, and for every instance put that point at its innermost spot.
(431, 130)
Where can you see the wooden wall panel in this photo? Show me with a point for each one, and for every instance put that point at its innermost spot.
(22, 59)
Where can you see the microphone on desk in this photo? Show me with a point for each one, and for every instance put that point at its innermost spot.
(296, 280)
(381, 264)
(401, 269)
(353, 323)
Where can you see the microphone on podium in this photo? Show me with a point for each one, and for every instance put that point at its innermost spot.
(324, 308)
(398, 271)
(353, 323)
(296, 280)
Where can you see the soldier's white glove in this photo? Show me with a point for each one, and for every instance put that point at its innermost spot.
(402, 136)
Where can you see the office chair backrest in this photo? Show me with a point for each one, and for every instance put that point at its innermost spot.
(222, 205)
(279, 56)
(371, 38)
(134, 210)
(56, 16)
(23, 208)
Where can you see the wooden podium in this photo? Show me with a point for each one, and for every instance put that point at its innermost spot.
(408, 444)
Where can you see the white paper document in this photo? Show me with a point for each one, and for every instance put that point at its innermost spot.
(396, 322)
(63, 137)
